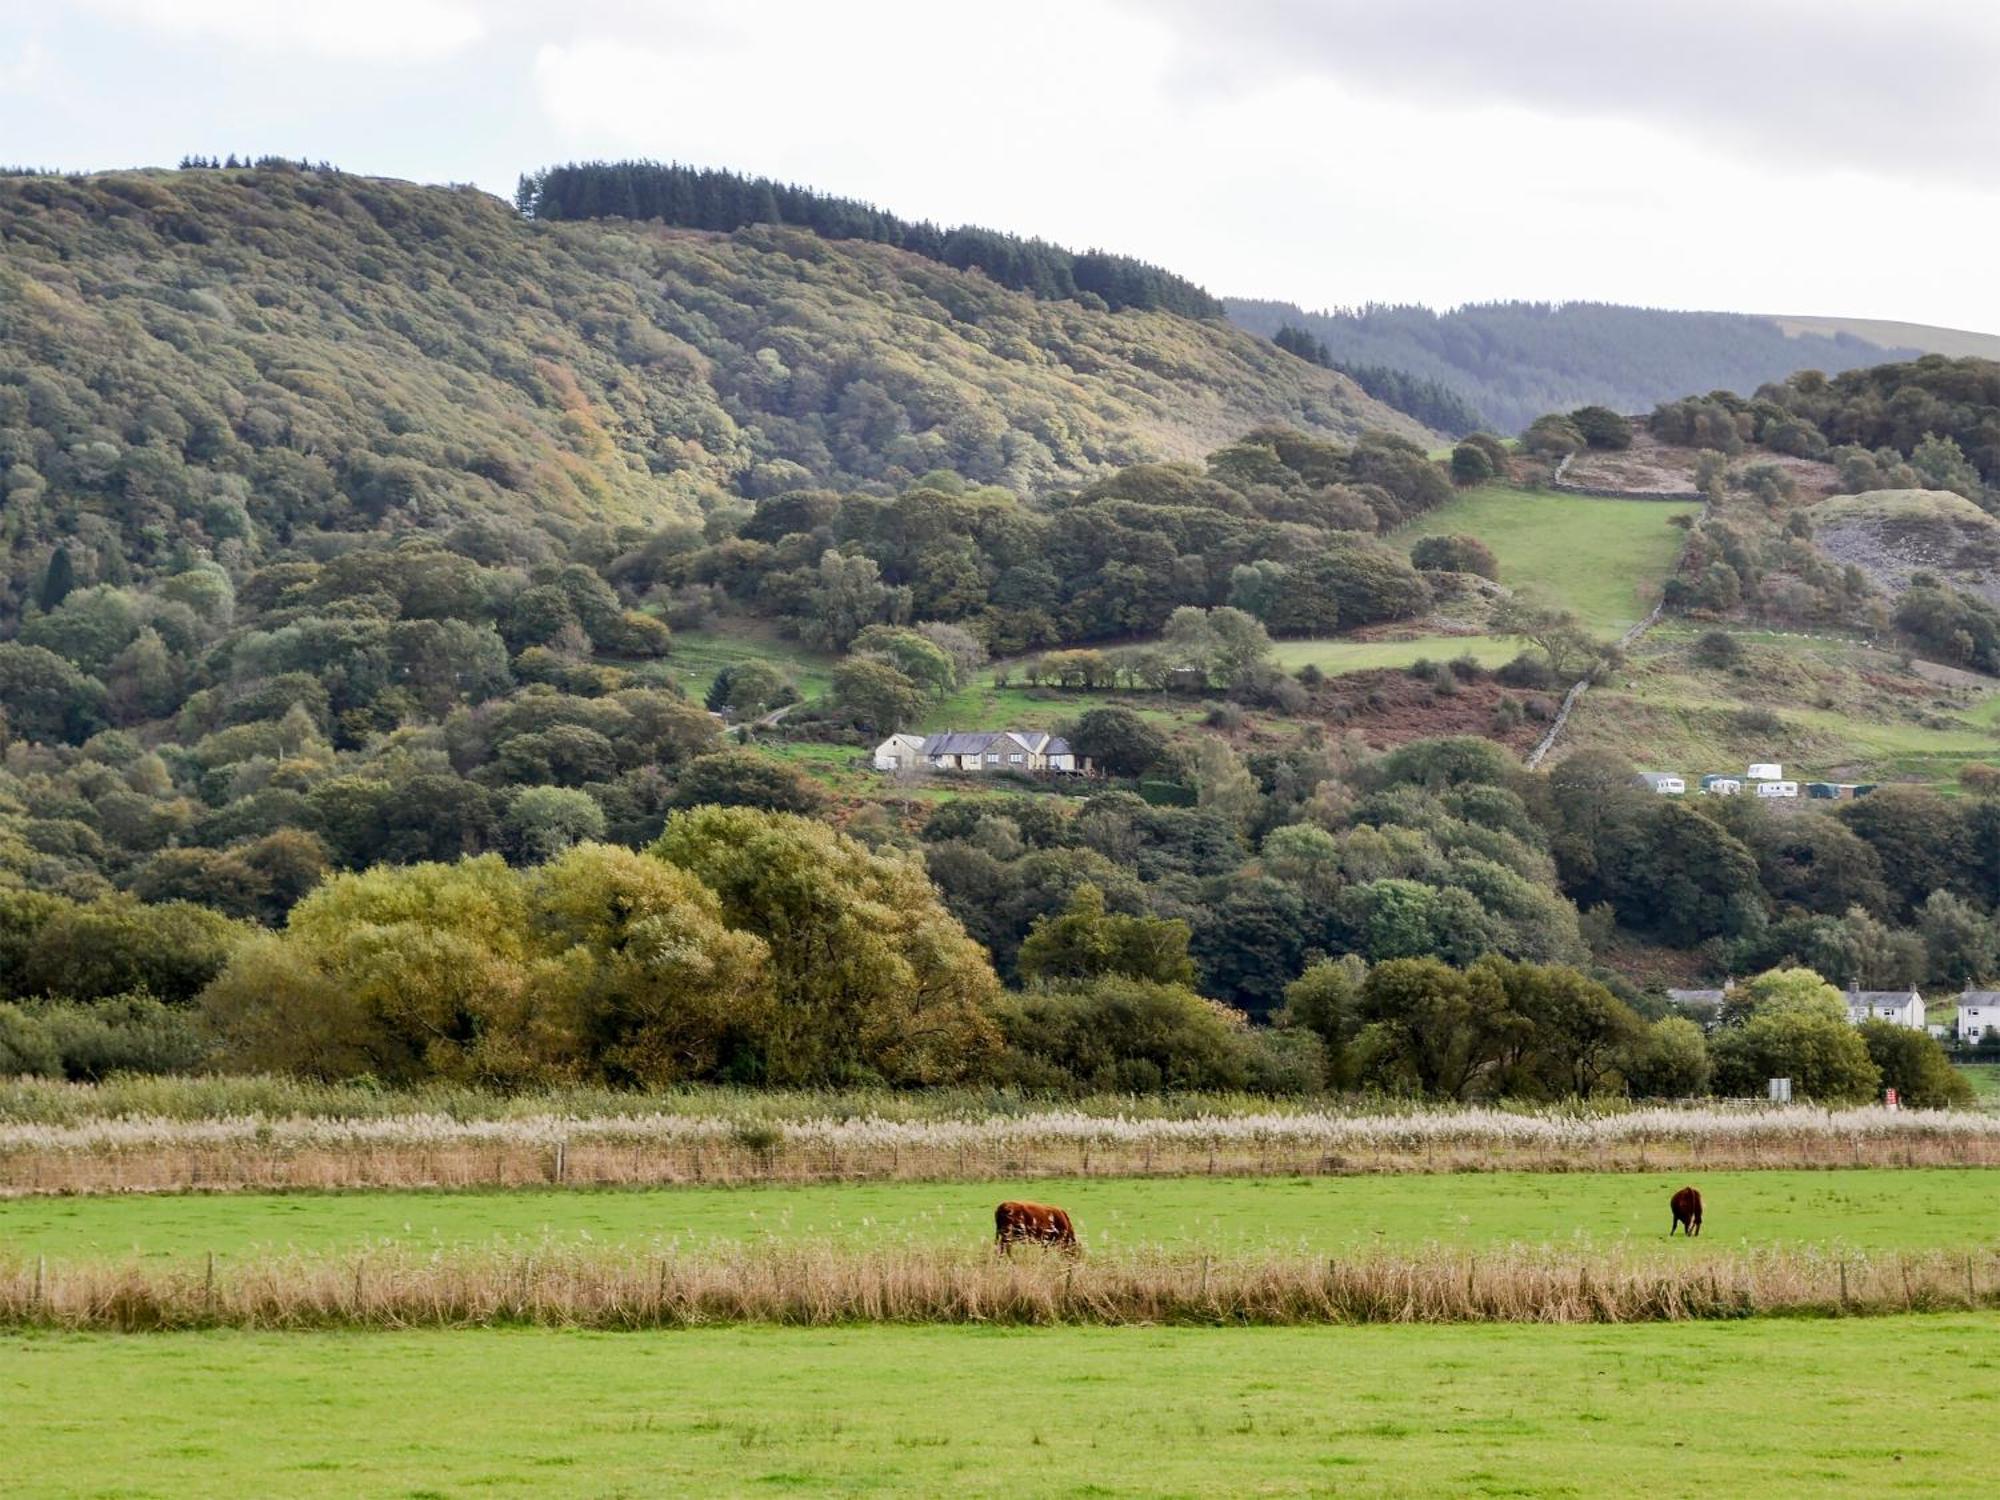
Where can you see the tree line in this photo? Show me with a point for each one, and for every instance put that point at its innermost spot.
(707, 198)
(1431, 403)
(1513, 361)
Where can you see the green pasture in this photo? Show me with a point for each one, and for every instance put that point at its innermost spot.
(1333, 655)
(1985, 1081)
(1605, 559)
(1770, 1407)
(698, 655)
(1855, 1209)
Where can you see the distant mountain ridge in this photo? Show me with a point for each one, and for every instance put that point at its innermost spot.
(1514, 361)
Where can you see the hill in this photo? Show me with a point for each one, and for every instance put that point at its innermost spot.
(1513, 361)
(1957, 343)
(209, 357)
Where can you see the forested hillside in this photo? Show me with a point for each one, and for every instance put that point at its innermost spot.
(1513, 361)
(219, 362)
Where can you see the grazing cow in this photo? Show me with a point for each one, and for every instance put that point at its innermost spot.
(1687, 1213)
(1034, 1224)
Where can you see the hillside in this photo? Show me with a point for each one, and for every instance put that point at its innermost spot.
(1892, 535)
(1513, 361)
(209, 358)
(1958, 343)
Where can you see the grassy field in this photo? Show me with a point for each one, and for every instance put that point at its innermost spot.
(1766, 1407)
(1334, 656)
(1856, 1210)
(698, 655)
(1845, 711)
(1985, 1080)
(1605, 559)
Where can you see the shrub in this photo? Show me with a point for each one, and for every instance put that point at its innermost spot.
(1717, 648)
(1455, 554)
(1528, 670)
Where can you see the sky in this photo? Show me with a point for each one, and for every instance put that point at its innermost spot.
(1830, 157)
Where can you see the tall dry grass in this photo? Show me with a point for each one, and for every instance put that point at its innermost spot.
(153, 1153)
(824, 1285)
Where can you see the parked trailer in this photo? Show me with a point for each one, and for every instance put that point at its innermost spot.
(1721, 786)
(1777, 789)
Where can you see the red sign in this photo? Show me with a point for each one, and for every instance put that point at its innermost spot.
(1889, 1099)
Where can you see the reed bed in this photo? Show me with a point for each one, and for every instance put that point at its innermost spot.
(818, 1286)
(429, 1150)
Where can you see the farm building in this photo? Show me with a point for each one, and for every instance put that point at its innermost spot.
(1978, 1013)
(1666, 783)
(996, 750)
(1898, 1007)
(900, 752)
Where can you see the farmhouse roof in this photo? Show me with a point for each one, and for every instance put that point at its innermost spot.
(1979, 997)
(978, 742)
(1697, 997)
(1880, 997)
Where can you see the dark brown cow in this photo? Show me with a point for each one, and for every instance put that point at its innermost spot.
(1687, 1212)
(1033, 1224)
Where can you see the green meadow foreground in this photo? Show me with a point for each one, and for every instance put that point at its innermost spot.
(1762, 1407)
(1916, 1209)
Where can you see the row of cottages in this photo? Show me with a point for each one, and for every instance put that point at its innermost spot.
(1898, 1007)
(998, 750)
(1978, 1010)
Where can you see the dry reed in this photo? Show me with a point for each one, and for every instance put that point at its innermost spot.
(824, 1285)
(427, 1150)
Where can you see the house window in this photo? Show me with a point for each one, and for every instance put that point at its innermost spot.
(1014, 760)
(992, 757)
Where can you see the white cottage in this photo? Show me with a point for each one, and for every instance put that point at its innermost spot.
(1978, 1013)
(1898, 1007)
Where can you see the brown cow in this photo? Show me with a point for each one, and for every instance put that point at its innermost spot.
(1033, 1224)
(1687, 1212)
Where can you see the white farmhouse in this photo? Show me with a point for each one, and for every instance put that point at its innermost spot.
(1978, 1013)
(900, 752)
(1898, 1007)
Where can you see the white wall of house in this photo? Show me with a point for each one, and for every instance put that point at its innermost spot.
(1975, 1019)
(1899, 1010)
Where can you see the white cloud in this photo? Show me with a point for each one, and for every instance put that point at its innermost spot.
(381, 31)
(1903, 88)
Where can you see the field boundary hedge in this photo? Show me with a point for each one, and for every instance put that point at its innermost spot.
(819, 1286)
(429, 1151)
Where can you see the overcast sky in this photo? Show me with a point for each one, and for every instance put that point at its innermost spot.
(1806, 156)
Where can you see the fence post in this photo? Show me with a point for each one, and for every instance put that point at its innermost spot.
(41, 1280)
(562, 1151)
(208, 1286)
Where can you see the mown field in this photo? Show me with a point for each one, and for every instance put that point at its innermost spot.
(1604, 559)
(1863, 1210)
(1768, 1407)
